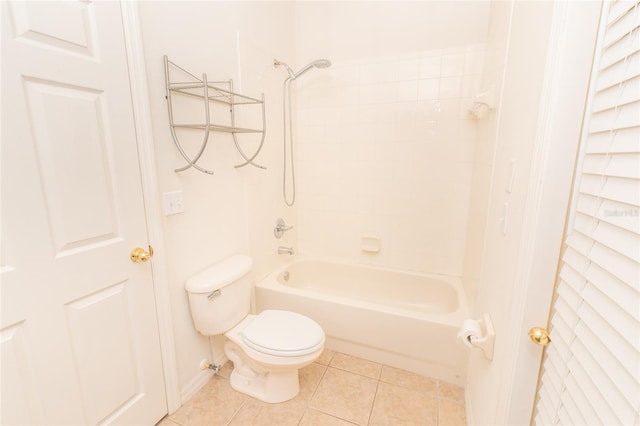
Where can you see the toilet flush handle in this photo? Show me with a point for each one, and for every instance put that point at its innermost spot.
(214, 294)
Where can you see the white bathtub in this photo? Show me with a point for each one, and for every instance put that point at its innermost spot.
(406, 320)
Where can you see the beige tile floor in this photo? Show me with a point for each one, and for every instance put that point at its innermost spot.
(338, 389)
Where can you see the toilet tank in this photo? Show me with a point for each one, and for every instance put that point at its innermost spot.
(220, 296)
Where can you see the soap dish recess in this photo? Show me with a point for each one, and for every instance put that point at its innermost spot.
(370, 244)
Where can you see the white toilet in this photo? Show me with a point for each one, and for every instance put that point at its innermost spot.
(268, 349)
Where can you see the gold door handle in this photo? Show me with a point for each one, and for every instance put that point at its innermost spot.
(539, 336)
(139, 255)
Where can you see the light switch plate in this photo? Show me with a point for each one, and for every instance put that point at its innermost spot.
(172, 202)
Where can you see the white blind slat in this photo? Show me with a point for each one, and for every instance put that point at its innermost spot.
(624, 351)
(618, 9)
(619, 94)
(554, 381)
(624, 165)
(616, 165)
(626, 68)
(614, 381)
(621, 215)
(623, 117)
(563, 333)
(621, 267)
(577, 245)
(592, 402)
(570, 292)
(618, 320)
(542, 416)
(627, 298)
(614, 230)
(620, 141)
(618, 239)
(622, 190)
(563, 417)
(568, 317)
(619, 25)
(620, 50)
(576, 404)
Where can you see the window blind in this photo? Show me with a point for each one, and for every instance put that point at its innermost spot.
(591, 369)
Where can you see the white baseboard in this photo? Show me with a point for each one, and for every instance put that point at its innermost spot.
(194, 385)
(468, 407)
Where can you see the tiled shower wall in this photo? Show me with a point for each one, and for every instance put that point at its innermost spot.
(384, 149)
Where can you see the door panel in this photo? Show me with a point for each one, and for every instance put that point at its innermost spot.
(69, 131)
(39, 22)
(18, 378)
(78, 326)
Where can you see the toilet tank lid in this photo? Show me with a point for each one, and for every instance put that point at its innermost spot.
(220, 274)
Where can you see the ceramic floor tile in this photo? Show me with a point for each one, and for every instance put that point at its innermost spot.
(346, 395)
(451, 413)
(317, 418)
(255, 412)
(342, 394)
(325, 357)
(395, 405)
(449, 391)
(215, 404)
(310, 377)
(356, 365)
(409, 380)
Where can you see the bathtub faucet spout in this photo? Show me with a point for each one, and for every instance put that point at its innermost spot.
(285, 250)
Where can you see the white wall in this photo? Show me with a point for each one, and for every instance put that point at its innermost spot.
(527, 24)
(385, 141)
(234, 210)
(548, 58)
(483, 160)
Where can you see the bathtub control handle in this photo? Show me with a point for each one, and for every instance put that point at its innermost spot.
(280, 228)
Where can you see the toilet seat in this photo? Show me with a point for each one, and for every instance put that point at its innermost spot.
(283, 333)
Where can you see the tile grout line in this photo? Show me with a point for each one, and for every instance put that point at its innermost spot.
(438, 402)
(306, 407)
(375, 395)
(238, 410)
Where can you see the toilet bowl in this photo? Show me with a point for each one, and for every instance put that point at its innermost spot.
(268, 349)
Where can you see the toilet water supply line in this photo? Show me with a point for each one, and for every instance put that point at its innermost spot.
(207, 365)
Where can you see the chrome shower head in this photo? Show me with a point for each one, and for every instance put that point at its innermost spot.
(320, 63)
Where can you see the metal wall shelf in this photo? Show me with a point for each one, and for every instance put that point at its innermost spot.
(209, 92)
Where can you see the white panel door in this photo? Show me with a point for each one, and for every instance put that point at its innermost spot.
(78, 329)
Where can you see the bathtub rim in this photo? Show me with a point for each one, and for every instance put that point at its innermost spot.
(453, 318)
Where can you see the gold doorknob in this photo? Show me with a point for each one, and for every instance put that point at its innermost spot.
(539, 336)
(139, 255)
